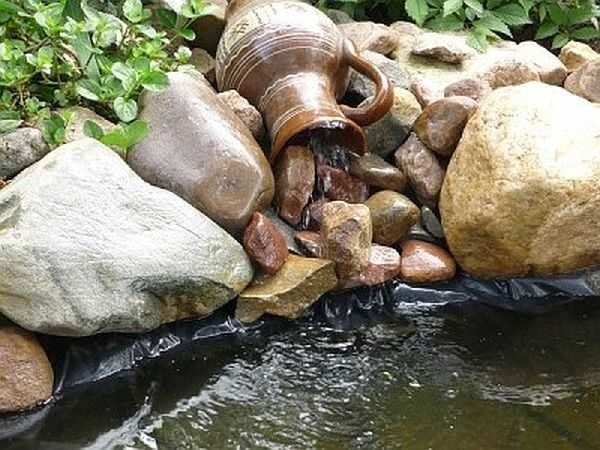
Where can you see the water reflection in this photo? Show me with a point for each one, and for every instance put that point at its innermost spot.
(449, 377)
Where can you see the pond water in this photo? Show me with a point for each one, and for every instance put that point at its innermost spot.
(443, 377)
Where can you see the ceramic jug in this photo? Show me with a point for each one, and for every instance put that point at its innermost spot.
(291, 62)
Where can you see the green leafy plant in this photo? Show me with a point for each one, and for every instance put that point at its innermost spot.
(59, 53)
(487, 20)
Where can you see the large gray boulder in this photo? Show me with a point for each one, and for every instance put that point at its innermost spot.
(87, 247)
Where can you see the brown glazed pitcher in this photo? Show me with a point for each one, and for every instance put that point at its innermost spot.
(291, 61)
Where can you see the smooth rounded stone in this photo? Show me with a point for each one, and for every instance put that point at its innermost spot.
(339, 185)
(510, 72)
(288, 293)
(550, 69)
(385, 135)
(431, 222)
(392, 215)
(200, 150)
(423, 169)
(445, 48)
(521, 193)
(77, 117)
(26, 376)
(346, 233)
(441, 124)
(20, 149)
(424, 92)
(294, 182)
(585, 81)
(371, 36)
(417, 232)
(88, 247)
(362, 86)
(473, 88)
(423, 262)
(310, 242)
(205, 64)
(377, 172)
(247, 113)
(384, 265)
(265, 243)
(576, 54)
(315, 214)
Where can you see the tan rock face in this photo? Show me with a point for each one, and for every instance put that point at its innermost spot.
(370, 36)
(247, 113)
(377, 172)
(510, 73)
(585, 81)
(26, 376)
(521, 194)
(445, 48)
(384, 265)
(441, 124)
(294, 182)
(549, 68)
(288, 293)
(265, 243)
(422, 168)
(424, 92)
(576, 54)
(346, 233)
(392, 215)
(423, 262)
(339, 185)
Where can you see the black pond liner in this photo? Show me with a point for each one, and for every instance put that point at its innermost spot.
(80, 361)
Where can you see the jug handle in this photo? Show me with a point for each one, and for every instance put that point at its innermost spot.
(384, 94)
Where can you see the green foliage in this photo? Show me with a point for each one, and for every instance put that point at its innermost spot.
(556, 20)
(59, 53)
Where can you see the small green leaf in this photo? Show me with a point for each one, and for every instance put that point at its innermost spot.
(586, 33)
(450, 23)
(136, 132)
(418, 10)
(491, 22)
(126, 110)
(155, 81)
(88, 89)
(8, 125)
(512, 15)
(133, 10)
(452, 6)
(560, 40)
(187, 34)
(475, 5)
(93, 130)
(546, 30)
(478, 38)
(557, 14)
(125, 74)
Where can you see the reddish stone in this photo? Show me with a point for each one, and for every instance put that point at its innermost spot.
(377, 172)
(469, 87)
(315, 214)
(265, 243)
(295, 181)
(384, 265)
(339, 185)
(310, 243)
(423, 262)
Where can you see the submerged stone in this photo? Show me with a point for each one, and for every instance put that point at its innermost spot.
(289, 292)
(88, 247)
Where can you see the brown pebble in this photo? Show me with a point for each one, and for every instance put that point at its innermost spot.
(423, 262)
(377, 172)
(339, 185)
(265, 243)
(384, 265)
(294, 182)
(392, 215)
(310, 243)
(473, 88)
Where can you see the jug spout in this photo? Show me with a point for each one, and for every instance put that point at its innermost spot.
(301, 105)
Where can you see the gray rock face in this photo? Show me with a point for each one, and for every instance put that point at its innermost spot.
(20, 149)
(87, 247)
(364, 87)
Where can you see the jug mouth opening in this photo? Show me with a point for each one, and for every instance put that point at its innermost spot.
(330, 132)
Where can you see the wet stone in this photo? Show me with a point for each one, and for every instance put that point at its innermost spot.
(392, 215)
(339, 185)
(315, 214)
(310, 243)
(441, 124)
(347, 233)
(385, 135)
(431, 222)
(376, 172)
(384, 265)
(422, 168)
(265, 243)
(294, 182)
(286, 230)
(289, 292)
(418, 233)
(469, 87)
(423, 262)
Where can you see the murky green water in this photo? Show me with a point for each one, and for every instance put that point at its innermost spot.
(444, 379)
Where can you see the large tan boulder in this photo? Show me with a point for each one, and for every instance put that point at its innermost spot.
(522, 191)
